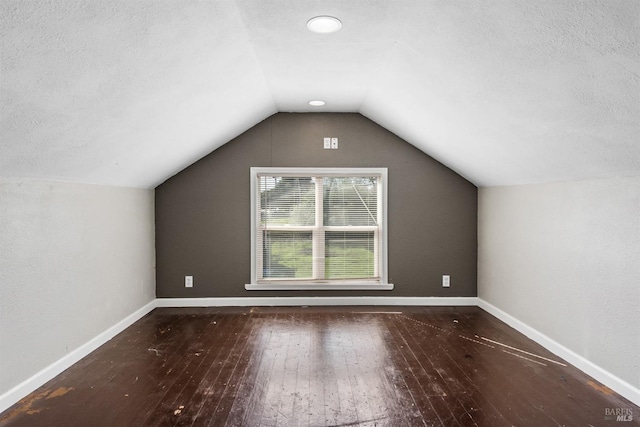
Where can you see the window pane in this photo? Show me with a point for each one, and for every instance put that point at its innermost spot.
(349, 255)
(350, 201)
(286, 254)
(318, 225)
(286, 200)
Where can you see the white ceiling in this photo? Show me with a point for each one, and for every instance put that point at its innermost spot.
(129, 92)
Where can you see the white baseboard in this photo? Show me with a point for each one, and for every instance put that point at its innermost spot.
(314, 301)
(39, 379)
(613, 382)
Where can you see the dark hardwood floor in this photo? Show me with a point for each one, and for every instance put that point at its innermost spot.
(321, 366)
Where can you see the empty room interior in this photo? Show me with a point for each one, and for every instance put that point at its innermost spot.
(319, 213)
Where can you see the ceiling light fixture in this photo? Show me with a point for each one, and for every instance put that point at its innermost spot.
(324, 24)
(317, 103)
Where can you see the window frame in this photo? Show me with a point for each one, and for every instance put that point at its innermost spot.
(327, 284)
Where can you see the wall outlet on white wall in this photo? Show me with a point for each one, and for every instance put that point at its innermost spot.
(446, 281)
(188, 281)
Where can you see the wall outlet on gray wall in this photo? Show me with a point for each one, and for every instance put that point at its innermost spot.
(188, 281)
(446, 281)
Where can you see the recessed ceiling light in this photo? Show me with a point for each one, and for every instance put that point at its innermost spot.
(316, 103)
(324, 24)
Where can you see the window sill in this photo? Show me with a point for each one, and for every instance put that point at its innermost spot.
(319, 287)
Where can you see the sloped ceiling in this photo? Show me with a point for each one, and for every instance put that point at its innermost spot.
(129, 92)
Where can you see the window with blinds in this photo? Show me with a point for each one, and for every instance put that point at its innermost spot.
(318, 226)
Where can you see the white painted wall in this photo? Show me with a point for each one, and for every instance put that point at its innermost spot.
(565, 260)
(75, 260)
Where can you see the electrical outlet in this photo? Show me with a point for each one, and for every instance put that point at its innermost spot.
(446, 281)
(188, 281)
(327, 143)
(334, 143)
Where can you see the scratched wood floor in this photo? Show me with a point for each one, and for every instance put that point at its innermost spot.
(329, 366)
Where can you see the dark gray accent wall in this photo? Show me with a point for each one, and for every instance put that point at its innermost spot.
(203, 212)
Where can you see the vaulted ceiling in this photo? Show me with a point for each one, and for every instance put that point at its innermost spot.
(129, 92)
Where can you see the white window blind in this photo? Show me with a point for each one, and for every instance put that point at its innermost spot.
(318, 226)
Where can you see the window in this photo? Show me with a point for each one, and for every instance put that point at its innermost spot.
(318, 228)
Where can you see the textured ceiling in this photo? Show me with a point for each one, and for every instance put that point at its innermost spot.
(129, 92)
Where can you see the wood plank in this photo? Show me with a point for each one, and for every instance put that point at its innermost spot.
(319, 366)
